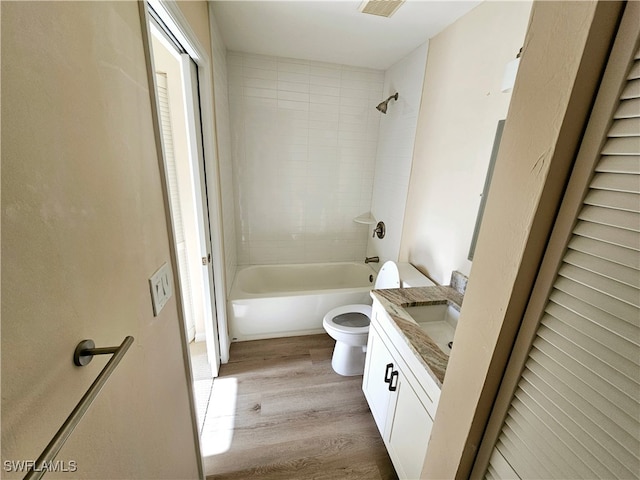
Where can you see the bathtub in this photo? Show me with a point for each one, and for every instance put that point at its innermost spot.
(269, 301)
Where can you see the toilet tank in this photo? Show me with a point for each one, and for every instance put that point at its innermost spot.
(410, 276)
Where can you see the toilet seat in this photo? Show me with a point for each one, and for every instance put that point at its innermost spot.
(329, 318)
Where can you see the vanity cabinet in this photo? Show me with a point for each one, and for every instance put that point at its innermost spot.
(401, 395)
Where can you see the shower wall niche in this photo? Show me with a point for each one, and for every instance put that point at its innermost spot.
(304, 136)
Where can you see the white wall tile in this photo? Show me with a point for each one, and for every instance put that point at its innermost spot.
(285, 76)
(325, 90)
(346, 119)
(395, 137)
(324, 99)
(288, 66)
(249, 72)
(292, 86)
(260, 83)
(319, 124)
(259, 102)
(221, 74)
(292, 105)
(355, 92)
(328, 110)
(323, 80)
(232, 58)
(357, 109)
(234, 70)
(325, 70)
(304, 158)
(295, 96)
(260, 92)
(256, 61)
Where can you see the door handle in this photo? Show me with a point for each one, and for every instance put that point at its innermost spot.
(393, 386)
(388, 373)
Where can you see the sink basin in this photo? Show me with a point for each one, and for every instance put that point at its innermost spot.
(437, 321)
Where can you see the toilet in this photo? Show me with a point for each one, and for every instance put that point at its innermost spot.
(349, 326)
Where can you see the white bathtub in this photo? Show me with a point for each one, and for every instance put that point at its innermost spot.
(269, 301)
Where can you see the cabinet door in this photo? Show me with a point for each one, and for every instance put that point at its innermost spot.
(375, 389)
(409, 431)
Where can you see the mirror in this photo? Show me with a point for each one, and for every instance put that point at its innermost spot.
(485, 190)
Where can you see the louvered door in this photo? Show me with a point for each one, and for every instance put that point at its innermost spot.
(575, 410)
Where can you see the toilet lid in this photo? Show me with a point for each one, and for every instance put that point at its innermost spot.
(388, 276)
(352, 319)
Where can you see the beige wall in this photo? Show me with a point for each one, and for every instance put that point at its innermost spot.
(566, 46)
(461, 106)
(197, 14)
(84, 227)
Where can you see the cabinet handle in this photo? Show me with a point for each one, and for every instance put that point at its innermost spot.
(388, 373)
(393, 386)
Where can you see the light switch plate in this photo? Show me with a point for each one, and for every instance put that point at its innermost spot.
(161, 288)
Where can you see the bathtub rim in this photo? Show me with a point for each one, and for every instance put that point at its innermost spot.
(236, 294)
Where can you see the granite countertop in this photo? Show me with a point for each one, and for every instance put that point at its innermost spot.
(427, 352)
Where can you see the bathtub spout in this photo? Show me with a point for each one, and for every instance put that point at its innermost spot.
(372, 260)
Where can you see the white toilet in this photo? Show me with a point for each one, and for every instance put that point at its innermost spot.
(349, 326)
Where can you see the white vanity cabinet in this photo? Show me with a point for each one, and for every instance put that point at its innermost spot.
(401, 395)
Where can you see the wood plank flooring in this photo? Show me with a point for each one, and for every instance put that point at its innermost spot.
(279, 411)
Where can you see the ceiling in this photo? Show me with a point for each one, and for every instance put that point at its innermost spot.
(333, 31)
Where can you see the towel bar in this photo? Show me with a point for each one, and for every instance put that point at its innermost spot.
(83, 354)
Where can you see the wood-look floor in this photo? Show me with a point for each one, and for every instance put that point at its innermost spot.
(293, 417)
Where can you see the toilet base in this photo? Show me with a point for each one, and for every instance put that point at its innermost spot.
(348, 360)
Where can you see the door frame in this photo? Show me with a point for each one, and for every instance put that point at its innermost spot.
(174, 19)
(171, 15)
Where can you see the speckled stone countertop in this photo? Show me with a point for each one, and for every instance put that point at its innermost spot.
(394, 299)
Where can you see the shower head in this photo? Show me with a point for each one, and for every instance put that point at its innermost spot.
(382, 106)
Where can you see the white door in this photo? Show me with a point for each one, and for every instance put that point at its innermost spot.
(196, 153)
(181, 204)
(177, 89)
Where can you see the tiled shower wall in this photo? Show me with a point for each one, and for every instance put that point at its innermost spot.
(224, 151)
(303, 138)
(395, 150)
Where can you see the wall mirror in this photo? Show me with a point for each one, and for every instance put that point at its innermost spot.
(485, 190)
